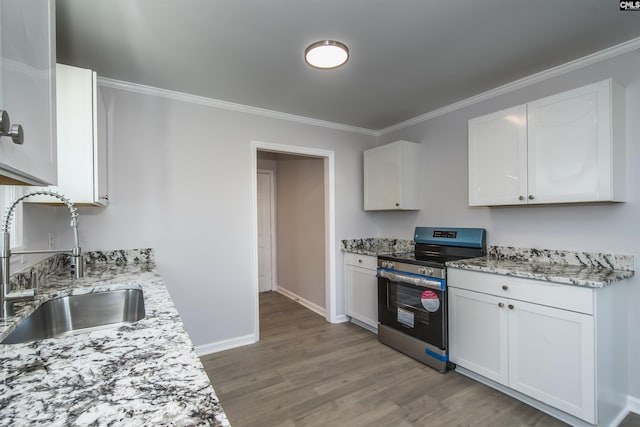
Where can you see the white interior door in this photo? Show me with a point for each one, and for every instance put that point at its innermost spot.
(265, 231)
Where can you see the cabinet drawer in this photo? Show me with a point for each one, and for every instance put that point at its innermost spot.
(557, 295)
(364, 261)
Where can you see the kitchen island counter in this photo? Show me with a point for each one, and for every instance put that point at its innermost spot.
(145, 373)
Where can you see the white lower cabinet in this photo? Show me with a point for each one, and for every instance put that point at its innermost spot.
(361, 285)
(539, 340)
(551, 357)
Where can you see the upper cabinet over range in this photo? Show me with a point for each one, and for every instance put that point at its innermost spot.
(565, 148)
(27, 91)
(390, 177)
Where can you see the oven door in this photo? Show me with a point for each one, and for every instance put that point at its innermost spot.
(413, 309)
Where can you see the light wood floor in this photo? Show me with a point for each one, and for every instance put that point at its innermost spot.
(307, 372)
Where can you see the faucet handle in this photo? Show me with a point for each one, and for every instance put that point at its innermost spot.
(35, 285)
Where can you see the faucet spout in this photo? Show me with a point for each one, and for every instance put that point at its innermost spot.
(77, 265)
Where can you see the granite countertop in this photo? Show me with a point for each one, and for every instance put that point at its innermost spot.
(375, 246)
(586, 269)
(145, 373)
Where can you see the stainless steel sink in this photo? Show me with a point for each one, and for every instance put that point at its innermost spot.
(79, 313)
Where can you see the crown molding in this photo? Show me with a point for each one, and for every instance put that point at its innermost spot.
(602, 55)
(225, 105)
(608, 53)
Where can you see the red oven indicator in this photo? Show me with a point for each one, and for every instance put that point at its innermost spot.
(430, 301)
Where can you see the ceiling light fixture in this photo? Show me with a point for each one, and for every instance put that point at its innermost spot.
(326, 54)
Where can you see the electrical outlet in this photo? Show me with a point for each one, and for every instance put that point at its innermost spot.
(50, 241)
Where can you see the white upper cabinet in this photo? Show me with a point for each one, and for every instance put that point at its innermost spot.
(27, 90)
(82, 142)
(498, 158)
(390, 177)
(566, 148)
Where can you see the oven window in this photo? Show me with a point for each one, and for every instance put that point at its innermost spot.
(415, 299)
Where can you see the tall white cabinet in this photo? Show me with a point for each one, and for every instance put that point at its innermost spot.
(390, 177)
(27, 90)
(565, 148)
(550, 344)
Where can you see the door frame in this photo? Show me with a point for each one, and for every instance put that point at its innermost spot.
(274, 234)
(329, 219)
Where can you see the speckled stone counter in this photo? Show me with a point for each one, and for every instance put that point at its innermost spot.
(376, 245)
(145, 373)
(587, 269)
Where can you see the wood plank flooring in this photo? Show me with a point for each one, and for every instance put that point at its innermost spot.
(307, 372)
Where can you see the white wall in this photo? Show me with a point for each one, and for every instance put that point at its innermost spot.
(180, 180)
(300, 227)
(613, 228)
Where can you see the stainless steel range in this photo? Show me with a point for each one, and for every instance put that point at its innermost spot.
(412, 292)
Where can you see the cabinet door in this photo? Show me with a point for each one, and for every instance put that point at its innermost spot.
(498, 158)
(81, 136)
(390, 177)
(478, 333)
(100, 153)
(362, 295)
(27, 90)
(382, 178)
(569, 146)
(551, 357)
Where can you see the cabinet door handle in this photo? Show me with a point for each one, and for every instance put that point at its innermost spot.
(510, 306)
(500, 304)
(397, 204)
(530, 196)
(521, 198)
(360, 261)
(505, 287)
(15, 132)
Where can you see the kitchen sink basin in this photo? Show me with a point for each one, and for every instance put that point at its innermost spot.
(80, 313)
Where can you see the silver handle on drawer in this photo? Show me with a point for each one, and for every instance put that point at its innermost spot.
(500, 304)
(510, 306)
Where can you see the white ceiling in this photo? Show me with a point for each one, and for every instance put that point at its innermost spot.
(408, 57)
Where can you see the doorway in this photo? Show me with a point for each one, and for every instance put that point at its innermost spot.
(326, 239)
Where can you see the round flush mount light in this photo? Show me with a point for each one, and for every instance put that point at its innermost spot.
(326, 54)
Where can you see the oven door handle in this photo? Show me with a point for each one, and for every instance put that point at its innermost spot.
(430, 284)
(414, 280)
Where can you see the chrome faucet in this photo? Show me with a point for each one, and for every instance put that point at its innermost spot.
(77, 267)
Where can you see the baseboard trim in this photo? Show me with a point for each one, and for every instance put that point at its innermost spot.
(365, 325)
(341, 318)
(633, 404)
(556, 413)
(214, 347)
(306, 303)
